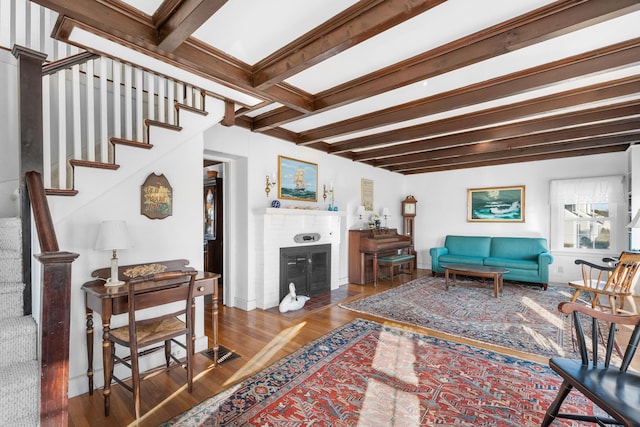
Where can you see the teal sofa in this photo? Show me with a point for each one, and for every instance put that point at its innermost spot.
(526, 258)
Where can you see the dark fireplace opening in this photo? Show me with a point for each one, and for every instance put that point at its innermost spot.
(308, 267)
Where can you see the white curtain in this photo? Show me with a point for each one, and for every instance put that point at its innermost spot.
(605, 189)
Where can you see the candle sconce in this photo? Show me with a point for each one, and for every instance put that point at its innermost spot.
(269, 182)
(326, 192)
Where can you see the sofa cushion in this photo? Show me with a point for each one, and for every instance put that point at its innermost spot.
(460, 259)
(527, 248)
(521, 264)
(473, 246)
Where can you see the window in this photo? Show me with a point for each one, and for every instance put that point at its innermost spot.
(588, 214)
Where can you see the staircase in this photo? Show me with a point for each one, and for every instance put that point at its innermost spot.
(19, 366)
(134, 110)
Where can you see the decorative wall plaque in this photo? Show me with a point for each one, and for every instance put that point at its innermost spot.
(156, 197)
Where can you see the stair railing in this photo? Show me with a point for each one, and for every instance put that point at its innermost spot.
(92, 104)
(55, 313)
(89, 99)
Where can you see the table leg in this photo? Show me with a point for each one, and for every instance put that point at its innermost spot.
(89, 314)
(106, 363)
(375, 270)
(446, 280)
(214, 324)
(496, 285)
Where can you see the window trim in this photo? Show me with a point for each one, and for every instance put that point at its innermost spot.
(575, 191)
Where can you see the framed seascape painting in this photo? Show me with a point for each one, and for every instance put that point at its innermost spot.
(497, 204)
(297, 180)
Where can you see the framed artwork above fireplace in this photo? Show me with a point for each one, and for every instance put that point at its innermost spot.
(297, 179)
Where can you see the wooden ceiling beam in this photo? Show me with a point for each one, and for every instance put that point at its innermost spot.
(561, 147)
(559, 121)
(133, 29)
(520, 82)
(504, 113)
(549, 21)
(618, 127)
(358, 23)
(188, 16)
(530, 158)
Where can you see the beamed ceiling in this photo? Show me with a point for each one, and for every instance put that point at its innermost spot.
(412, 86)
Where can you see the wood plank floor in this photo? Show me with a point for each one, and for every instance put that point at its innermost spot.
(260, 337)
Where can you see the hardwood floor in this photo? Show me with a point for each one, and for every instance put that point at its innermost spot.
(260, 337)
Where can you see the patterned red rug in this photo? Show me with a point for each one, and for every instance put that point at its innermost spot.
(367, 374)
(524, 318)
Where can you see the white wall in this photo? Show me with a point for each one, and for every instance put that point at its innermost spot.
(9, 159)
(105, 194)
(258, 154)
(442, 203)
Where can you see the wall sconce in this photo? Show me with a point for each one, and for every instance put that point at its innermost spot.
(386, 214)
(270, 181)
(113, 235)
(325, 192)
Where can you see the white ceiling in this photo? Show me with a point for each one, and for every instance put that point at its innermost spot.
(251, 30)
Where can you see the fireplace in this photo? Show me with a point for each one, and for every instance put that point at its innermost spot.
(307, 267)
(298, 229)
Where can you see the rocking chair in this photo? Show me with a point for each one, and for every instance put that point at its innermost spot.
(616, 282)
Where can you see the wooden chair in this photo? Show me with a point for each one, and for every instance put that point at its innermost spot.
(158, 331)
(616, 282)
(612, 388)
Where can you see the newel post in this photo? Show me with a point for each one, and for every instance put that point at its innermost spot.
(30, 116)
(55, 319)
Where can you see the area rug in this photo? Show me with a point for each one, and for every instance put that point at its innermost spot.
(524, 318)
(367, 374)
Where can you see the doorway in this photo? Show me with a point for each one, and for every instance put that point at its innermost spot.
(213, 216)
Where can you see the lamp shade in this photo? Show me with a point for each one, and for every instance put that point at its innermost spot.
(360, 210)
(113, 235)
(385, 212)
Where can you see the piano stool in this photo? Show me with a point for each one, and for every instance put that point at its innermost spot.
(393, 261)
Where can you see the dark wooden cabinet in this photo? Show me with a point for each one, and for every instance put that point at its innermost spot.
(213, 221)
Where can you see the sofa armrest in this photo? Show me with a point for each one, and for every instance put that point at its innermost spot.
(435, 254)
(545, 259)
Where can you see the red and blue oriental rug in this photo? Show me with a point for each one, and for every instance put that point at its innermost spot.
(524, 318)
(367, 374)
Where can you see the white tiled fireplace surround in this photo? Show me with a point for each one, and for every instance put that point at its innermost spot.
(279, 227)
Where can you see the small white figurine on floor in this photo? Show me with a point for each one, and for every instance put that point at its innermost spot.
(291, 301)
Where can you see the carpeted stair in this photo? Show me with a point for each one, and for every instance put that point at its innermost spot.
(19, 367)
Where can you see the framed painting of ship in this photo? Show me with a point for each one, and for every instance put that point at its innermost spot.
(297, 179)
(498, 204)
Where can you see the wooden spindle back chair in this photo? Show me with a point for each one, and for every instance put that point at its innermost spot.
(158, 331)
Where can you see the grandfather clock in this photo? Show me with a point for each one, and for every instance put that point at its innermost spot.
(409, 215)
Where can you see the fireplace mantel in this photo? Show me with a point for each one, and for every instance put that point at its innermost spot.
(285, 211)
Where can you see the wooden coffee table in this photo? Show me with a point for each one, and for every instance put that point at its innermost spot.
(476, 271)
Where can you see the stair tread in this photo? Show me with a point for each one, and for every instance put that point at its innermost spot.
(20, 393)
(9, 287)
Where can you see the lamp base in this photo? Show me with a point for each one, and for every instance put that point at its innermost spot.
(113, 280)
(110, 283)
